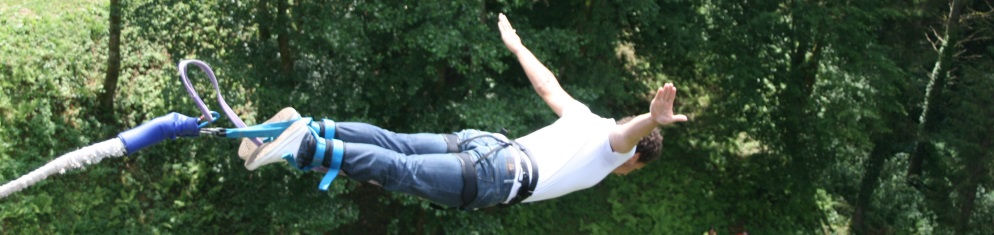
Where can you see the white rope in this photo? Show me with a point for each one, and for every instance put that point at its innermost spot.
(76, 159)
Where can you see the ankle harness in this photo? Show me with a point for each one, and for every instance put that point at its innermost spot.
(322, 152)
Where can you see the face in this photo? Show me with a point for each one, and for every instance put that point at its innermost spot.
(629, 166)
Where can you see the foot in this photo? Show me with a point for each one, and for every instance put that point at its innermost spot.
(298, 141)
(248, 147)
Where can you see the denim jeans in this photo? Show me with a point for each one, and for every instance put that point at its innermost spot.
(420, 164)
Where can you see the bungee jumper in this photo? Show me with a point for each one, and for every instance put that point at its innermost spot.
(473, 169)
(468, 169)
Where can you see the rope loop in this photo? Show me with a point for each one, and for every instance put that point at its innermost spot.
(207, 114)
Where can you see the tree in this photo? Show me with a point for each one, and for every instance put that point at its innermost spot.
(804, 112)
(113, 62)
(936, 85)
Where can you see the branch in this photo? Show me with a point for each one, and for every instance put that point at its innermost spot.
(977, 15)
(931, 43)
(959, 53)
(972, 37)
(937, 36)
(971, 57)
(981, 14)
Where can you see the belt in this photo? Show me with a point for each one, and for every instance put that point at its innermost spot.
(529, 178)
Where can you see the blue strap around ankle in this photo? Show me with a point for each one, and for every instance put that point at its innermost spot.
(325, 128)
(328, 128)
(319, 152)
(320, 148)
(337, 150)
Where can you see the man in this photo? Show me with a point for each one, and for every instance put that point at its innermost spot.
(475, 169)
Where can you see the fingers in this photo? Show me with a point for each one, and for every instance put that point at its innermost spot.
(500, 22)
(666, 93)
(670, 92)
(504, 24)
(662, 105)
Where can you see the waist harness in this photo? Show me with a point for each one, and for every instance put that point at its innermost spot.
(529, 177)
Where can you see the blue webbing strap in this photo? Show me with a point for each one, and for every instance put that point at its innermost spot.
(320, 151)
(337, 150)
(271, 129)
(328, 128)
(325, 128)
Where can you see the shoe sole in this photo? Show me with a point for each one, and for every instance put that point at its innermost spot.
(248, 147)
(292, 135)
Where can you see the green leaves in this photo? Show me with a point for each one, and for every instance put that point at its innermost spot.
(787, 100)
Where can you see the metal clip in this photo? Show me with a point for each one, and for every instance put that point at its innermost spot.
(216, 132)
(204, 123)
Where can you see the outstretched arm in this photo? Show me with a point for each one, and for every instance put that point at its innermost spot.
(626, 136)
(542, 79)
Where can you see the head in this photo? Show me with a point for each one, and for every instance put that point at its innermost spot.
(648, 149)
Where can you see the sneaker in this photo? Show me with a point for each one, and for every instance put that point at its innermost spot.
(248, 147)
(296, 141)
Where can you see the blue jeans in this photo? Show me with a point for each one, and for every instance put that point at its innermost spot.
(421, 164)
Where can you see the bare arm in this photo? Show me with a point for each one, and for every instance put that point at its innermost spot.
(542, 79)
(626, 136)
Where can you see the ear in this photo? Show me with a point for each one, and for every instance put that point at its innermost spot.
(634, 159)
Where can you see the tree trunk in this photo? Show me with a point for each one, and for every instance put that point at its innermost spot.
(106, 99)
(794, 112)
(968, 197)
(871, 178)
(976, 172)
(933, 92)
(264, 19)
(283, 38)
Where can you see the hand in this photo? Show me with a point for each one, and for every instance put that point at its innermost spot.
(511, 39)
(661, 108)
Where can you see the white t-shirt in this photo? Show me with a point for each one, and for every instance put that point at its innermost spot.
(573, 153)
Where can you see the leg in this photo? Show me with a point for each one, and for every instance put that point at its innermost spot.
(407, 144)
(436, 177)
(369, 134)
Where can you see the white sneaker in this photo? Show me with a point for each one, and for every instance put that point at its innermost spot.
(248, 147)
(291, 142)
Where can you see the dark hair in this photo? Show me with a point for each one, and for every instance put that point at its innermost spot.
(649, 147)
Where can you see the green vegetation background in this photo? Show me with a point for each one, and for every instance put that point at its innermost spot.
(805, 114)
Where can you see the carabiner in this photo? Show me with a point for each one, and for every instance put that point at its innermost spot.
(204, 121)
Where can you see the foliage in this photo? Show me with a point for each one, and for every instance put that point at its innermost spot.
(803, 112)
